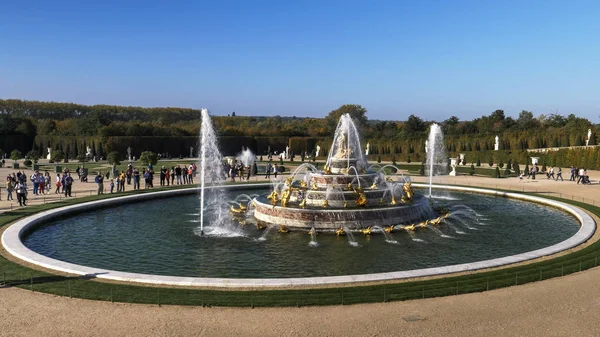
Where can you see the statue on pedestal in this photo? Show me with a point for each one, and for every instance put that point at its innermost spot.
(496, 145)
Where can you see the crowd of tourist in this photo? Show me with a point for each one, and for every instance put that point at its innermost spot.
(578, 175)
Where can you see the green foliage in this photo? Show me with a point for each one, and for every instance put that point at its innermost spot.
(478, 162)
(254, 169)
(27, 162)
(82, 158)
(526, 169)
(114, 158)
(148, 157)
(280, 160)
(516, 168)
(497, 172)
(357, 112)
(544, 168)
(15, 155)
(33, 155)
(472, 171)
(500, 164)
(394, 160)
(57, 156)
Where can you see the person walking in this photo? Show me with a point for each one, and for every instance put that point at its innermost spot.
(581, 175)
(275, 169)
(572, 178)
(559, 174)
(136, 179)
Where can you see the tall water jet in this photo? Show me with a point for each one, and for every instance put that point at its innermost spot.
(346, 150)
(436, 153)
(210, 160)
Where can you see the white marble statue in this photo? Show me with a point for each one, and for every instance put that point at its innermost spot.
(589, 135)
(287, 152)
(368, 147)
(426, 145)
(191, 152)
(88, 151)
(129, 153)
(317, 151)
(496, 145)
(49, 156)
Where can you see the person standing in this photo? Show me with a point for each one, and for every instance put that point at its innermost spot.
(136, 179)
(10, 187)
(178, 174)
(167, 175)
(21, 193)
(112, 186)
(58, 183)
(163, 175)
(68, 185)
(100, 182)
(275, 169)
(572, 178)
(268, 171)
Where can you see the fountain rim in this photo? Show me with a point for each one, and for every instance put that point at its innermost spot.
(11, 241)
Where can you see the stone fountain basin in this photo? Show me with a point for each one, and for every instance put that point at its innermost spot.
(334, 217)
(337, 197)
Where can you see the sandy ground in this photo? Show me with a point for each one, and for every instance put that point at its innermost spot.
(566, 306)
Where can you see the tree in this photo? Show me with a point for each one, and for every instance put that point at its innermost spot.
(472, 171)
(149, 157)
(57, 156)
(233, 114)
(497, 172)
(516, 168)
(414, 124)
(33, 155)
(357, 112)
(15, 155)
(114, 158)
(82, 158)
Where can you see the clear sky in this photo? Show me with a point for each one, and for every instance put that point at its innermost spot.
(307, 57)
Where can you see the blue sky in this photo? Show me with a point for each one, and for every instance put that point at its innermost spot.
(434, 59)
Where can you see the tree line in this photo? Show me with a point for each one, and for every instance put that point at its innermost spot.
(27, 125)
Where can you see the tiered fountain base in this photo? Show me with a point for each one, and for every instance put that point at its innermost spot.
(294, 217)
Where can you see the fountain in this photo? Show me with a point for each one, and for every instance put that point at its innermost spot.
(346, 194)
(211, 166)
(436, 154)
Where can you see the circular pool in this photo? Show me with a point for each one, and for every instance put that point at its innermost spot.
(159, 239)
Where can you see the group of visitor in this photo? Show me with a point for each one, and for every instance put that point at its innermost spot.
(271, 169)
(41, 183)
(237, 169)
(182, 174)
(579, 175)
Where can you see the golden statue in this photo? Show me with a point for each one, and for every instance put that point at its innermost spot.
(340, 232)
(325, 203)
(283, 229)
(374, 186)
(408, 192)
(285, 197)
(436, 221)
(260, 225)
(345, 204)
(349, 187)
(303, 184)
(410, 228)
(236, 211)
(389, 229)
(289, 181)
(314, 186)
(366, 231)
(361, 200)
(422, 224)
(446, 215)
(381, 201)
(327, 169)
(393, 202)
(302, 203)
(273, 197)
